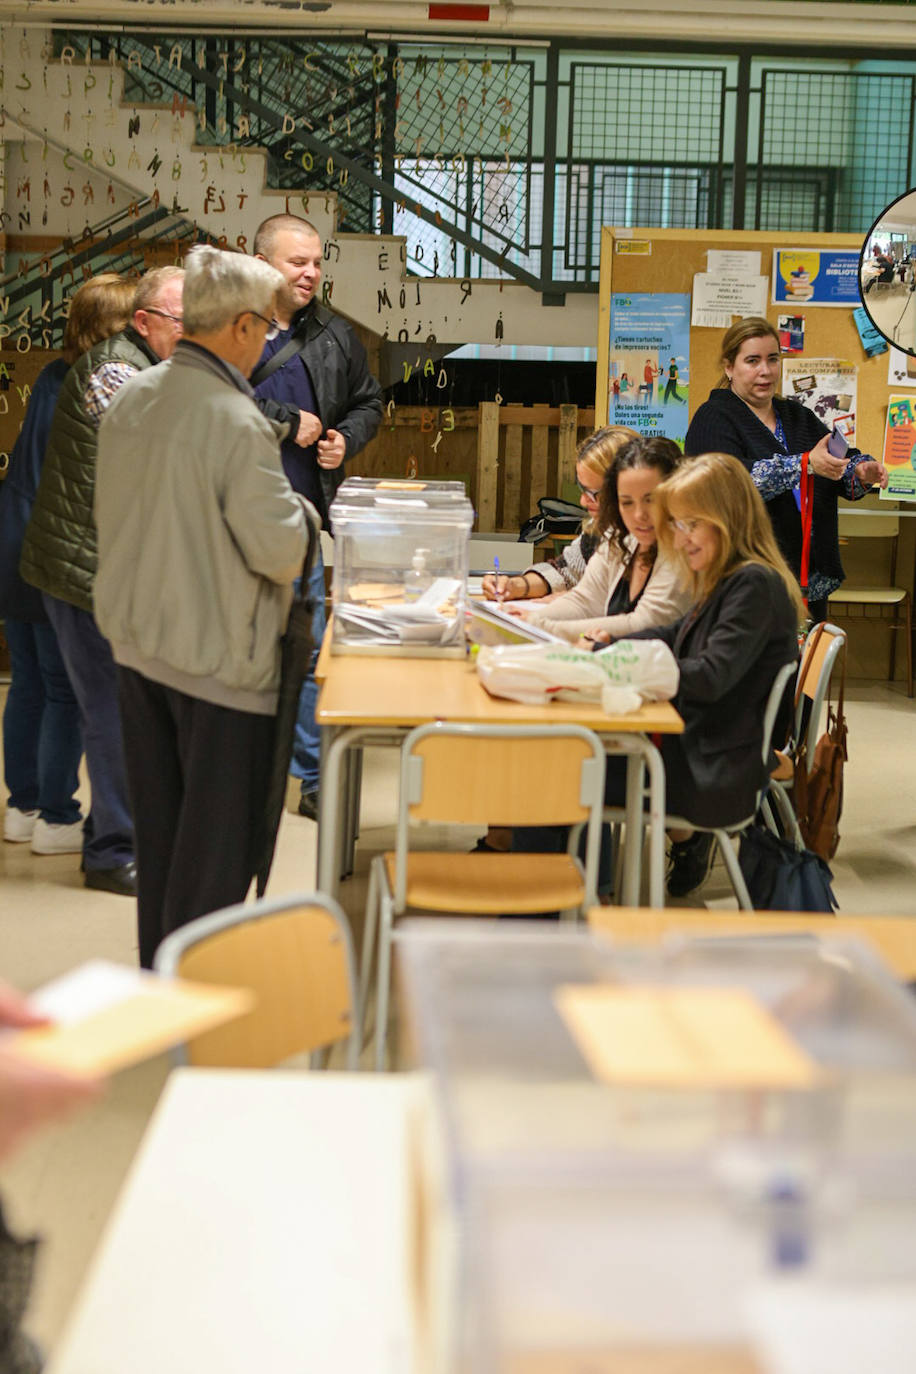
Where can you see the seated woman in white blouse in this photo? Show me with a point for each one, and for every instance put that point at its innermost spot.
(628, 585)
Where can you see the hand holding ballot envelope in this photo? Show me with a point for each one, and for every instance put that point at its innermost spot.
(57, 1047)
(32, 1094)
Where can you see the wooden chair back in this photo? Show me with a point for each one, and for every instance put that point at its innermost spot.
(470, 779)
(296, 956)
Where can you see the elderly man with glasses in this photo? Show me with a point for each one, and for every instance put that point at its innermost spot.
(200, 540)
(59, 557)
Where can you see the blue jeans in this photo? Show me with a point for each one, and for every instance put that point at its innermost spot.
(42, 744)
(306, 741)
(109, 836)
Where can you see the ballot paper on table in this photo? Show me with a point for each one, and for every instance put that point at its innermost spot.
(419, 621)
(106, 1017)
(525, 629)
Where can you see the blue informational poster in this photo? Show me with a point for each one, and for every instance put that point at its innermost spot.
(816, 276)
(649, 367)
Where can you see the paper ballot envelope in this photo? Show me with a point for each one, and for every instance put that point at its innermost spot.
(107, 1017)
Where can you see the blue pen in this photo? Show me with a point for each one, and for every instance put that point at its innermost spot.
(496, 578)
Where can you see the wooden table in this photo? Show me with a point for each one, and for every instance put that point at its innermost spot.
(270, 1223)
(894, 937)
(377, 700)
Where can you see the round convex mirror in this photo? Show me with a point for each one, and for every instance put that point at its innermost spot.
(886, 273)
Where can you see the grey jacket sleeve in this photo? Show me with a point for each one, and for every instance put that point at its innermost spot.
(267, 519)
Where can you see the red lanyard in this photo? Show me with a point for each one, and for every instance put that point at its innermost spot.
(806, 492)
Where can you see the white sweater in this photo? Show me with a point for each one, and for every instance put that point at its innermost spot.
(584, 609)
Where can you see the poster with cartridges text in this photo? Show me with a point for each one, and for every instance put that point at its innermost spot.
(649, 363)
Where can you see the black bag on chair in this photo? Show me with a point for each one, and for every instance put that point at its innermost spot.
(555, 517)
(780, 877)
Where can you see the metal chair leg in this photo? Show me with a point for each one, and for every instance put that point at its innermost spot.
(787, 814)
(386, 918)
(730, 859)
(365, 963)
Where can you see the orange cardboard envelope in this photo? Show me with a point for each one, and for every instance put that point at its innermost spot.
(158, 1014)
(682, 1037)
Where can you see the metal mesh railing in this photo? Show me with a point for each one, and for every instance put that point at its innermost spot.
(455, 146)
(857, 125)
(666, 114)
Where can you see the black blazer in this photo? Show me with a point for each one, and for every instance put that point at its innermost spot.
(729, 651)
(724, 424)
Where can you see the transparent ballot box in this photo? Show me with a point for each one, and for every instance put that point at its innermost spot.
(400, 567)
(641, 1141)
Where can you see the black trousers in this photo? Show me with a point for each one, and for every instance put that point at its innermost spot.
(198, 777)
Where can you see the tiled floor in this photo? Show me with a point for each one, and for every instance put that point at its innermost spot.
(65, 1183)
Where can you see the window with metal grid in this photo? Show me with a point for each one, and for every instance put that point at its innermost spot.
(645, 146)
(621, 113)
(855, 126)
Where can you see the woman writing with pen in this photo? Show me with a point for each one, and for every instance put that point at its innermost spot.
(560, 574)
(628, 585)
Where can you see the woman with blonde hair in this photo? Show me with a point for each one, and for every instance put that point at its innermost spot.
(778, 439)
(742, 629)
(42, 743)
(593, 458)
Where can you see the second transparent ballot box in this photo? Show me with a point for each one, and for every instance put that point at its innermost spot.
(610, 1199)
(400, 567)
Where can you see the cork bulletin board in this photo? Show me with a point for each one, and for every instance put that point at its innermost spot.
(665, 261)
(675, 255)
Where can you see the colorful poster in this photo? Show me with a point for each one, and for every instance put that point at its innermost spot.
(816, 276)
(791, 331)
(828, 387)
(649, 369)
(900, 449)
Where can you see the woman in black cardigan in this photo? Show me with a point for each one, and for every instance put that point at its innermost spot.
(729, 649)
(769, 434)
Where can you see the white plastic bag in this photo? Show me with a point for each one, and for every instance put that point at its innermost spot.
(537, 673)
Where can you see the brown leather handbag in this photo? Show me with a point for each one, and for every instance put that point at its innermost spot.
(818, 796)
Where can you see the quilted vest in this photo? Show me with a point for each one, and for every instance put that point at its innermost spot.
(59, 552)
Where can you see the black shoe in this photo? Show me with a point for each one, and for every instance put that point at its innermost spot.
(689, 864)
(121, 880)
(481, 847)
(308, 805)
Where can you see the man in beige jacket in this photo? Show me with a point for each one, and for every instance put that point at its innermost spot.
(200, 539)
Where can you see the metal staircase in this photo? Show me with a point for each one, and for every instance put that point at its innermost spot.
(216, 135)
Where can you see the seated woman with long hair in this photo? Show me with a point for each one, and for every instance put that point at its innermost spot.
(742, 629)
(629, 585)
(557, 575)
